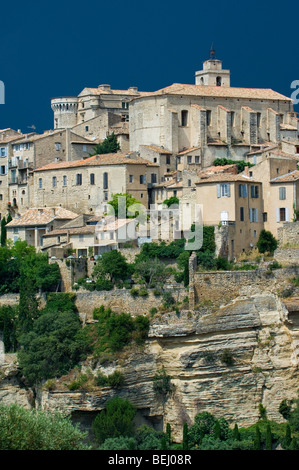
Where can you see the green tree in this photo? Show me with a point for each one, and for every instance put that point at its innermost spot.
(268, 443)
(3, 231)
(266, 242)
(236, 433)
(23, 429)
(116, 420)
(294, 444)
(109, 145)
(52, 347)
(124, 205)
(185, 444)
(172, 201)
(152, 271)
(257, 439)
(168, 432)
(112, 265)
(288, 437)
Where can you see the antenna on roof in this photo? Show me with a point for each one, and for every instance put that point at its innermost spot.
(212, 52)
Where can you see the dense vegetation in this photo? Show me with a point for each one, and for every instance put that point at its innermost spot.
(23, 429)
(240, 163)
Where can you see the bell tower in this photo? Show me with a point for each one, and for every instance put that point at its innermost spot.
(212, 74)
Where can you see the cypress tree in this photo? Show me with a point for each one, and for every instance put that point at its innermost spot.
(257, 439)
(185, 437)
(3, 232)
(163, 443)
(288, 437)
(236, 433)
(268, 438)
(217, 431)
(9, 218)
(168, 432)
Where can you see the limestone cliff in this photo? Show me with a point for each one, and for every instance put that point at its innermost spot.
(226, 361)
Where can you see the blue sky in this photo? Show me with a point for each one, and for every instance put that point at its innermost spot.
(56, 48)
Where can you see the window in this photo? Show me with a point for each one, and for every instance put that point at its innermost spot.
(196, 159)
(111, 235)
(64, 180)
(258, 119)
(105, 196)
(218, 81)
(243, 190)
(105, 181)
(232, 118)
(54, 181)
(131, 178)
(1, 197)
(265, 216)
(282, 214)
(168, 160)
(2, 152)
(92, 180)
(253, 215)
(254, 233)
(40, 183)
(254, 191)
(189, 183)
(27, 146)
(184, 118)
(141, 195)
(189, 159)
(223, 190)
(153, 178)
(3, 170)
(209, 117)
(282, 193)
(84, 148)
(242, 214)
(57, 145)
(142, 179)
(78, 179)
(86, 128)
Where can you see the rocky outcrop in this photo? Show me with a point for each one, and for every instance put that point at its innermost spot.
(225, 361)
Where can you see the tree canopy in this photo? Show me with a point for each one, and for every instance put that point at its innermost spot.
(109, 145)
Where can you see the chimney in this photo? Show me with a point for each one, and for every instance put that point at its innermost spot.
(133, 88)
(105, 87)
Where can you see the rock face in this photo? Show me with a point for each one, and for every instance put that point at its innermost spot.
(225, 361)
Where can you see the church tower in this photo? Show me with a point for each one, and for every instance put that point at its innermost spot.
(212, 73)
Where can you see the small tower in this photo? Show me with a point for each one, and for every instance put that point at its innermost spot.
(212, 73)
(65, 112)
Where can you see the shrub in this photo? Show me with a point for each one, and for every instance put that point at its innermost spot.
(143, 292)
(79, 383)
(162, 382)
(114, 380)
(227, 357)
(266, 242)
(153, 310)
(134, 292)
(116, 420)
(23, 429)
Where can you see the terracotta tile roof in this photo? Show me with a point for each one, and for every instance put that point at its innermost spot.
(213, 170)
(287, 178)
(192, 149)
(41, 216)
(114, 224)
(11, 138)
(157, 149)
(99, 160)
(247, 108)
(101, 91)
(33, 136)
(264, 149)
(226, 177)
(220, 92)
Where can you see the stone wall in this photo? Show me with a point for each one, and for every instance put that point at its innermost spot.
(9, 299)
(288, 234)
(287, 255)
(222, 286)
(120, 300)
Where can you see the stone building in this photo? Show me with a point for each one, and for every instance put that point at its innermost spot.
(236, 202)
(35, 150)
(35, 222)
(87, 185)
(96, 112)
(211, 119)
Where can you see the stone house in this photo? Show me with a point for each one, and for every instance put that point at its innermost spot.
(277, 172)
(35, 222)
(86, 186)
(235, 202)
